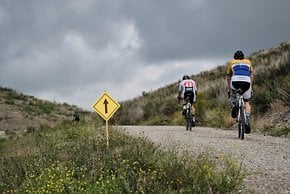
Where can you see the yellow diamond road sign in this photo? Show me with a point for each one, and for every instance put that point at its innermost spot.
(106, 106)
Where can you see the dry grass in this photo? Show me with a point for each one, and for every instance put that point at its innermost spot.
(74, 158)
(271, 85)
(23, 113)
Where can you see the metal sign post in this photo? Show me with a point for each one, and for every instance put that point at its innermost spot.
(107, 132)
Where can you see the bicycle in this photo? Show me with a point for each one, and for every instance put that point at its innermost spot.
(188, 115)
(241, 113)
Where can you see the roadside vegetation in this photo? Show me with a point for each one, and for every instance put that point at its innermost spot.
(74, 158)
(270, 103)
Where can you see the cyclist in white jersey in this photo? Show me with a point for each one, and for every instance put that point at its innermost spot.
(187, 88)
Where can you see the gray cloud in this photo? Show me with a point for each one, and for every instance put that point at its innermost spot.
(74, 50)
(186, 29)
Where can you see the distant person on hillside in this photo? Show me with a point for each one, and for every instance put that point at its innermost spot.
(240, 75)
(76, 117)
(187, 88)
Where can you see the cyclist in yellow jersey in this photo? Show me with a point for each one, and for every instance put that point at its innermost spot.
(240, 75)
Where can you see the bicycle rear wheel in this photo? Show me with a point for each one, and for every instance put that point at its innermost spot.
(241, 122)
(188, 119)
(188, 126)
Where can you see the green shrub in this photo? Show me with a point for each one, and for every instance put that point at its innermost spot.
(277, 131)
(9, 101)
(217, 117)
(46, 107)
(201, 107)
(39, 108)
(261, 101)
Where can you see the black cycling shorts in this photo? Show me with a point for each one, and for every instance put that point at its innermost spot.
(190, 95)
(244, 86)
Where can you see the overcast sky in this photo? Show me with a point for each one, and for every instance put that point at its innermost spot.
(74, 50)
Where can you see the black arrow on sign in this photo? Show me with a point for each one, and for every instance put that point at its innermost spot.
(106, 105)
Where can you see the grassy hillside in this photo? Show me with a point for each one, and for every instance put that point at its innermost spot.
(23, 113)
(270, 104)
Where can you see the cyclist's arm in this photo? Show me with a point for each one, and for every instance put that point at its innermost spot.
(251, 73)
(251, 76)
(195, 90)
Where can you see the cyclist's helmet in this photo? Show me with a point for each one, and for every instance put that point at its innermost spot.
(185, 77)
(239, 55)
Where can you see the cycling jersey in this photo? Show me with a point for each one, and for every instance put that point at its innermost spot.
(240, 70)
(187, 86)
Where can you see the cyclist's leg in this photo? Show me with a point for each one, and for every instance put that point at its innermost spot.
(183, 109)
(248, 110)
(192, 101)
(192, 109)
(184, 104)
(193, 112)
(234, 86)
(247, 97)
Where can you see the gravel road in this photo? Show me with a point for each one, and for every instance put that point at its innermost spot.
(266, 159)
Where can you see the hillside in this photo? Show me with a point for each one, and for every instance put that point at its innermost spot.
(24, 113)
(270, 104)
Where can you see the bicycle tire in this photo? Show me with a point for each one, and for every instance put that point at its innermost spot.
(188, 118)
(188, 126)
(239, 131)
(242, 122)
